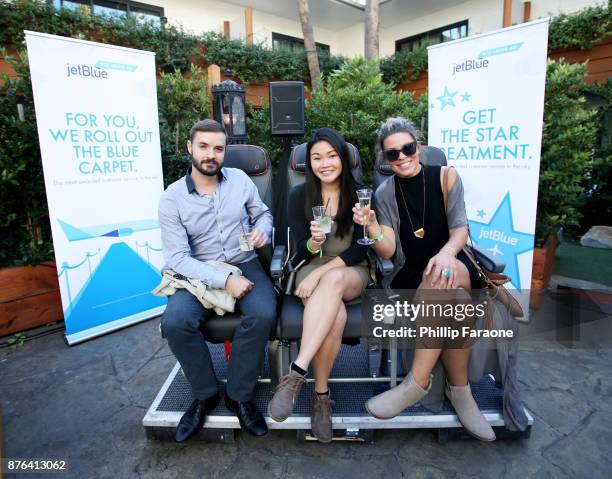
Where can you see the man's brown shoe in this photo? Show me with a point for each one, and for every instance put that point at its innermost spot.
(285, 395)
(321, 417)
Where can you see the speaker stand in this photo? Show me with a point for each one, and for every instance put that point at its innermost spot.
(280, 193)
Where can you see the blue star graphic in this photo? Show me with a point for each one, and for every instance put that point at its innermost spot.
(447, 98)
(481, 213)
(466, 96)
(500, 237)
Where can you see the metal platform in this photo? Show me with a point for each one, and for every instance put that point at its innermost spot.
(349, 412)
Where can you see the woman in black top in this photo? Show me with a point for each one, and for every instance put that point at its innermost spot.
(425, 239)
(335, 271)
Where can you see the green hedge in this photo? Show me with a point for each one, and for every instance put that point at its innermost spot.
(25, 235)
(595, 206)
(355, 101)
(582, 29)
(250, 63)
(568, 138)
(182, 100)
(174, 48)
(404, 66)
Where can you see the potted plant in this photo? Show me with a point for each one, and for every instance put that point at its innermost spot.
(568, 140)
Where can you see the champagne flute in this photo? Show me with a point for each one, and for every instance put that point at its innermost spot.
(365, 198)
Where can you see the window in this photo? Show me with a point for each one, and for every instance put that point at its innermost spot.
(439, 35)
(142, 12)
(294, 44)
(111, 9)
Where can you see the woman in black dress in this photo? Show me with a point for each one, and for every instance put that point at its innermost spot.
(334, 270)
(425, 241)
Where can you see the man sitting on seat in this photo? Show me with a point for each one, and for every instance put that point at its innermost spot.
(201, 216)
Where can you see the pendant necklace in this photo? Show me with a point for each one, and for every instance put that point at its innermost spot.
(420, 232)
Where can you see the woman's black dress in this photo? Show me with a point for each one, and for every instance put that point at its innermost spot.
(418, 251)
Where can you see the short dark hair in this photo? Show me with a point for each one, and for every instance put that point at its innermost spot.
(205, 126)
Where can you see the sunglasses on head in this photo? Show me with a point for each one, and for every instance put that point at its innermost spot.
(408, 149)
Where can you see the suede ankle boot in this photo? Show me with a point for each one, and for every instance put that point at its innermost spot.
(392, 402)
(468, 412)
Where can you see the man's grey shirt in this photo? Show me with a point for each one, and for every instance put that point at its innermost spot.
(196, 228)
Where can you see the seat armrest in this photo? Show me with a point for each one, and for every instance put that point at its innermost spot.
(487, 260)
(385, 266)
(278, 261)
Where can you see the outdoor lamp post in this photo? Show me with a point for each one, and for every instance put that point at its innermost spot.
(229, 109)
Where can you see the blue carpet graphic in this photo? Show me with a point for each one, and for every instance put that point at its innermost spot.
(119, 287)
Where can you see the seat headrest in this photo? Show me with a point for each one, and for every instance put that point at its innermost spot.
(430, 155)
(251, 159)
(381, 166)
(298, 157)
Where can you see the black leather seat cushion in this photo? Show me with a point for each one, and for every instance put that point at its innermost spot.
(251, 159)
(289, 326)
(221, 328)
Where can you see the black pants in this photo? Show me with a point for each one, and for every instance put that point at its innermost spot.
(181, 327)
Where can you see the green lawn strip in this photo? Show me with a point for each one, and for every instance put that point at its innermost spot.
(581, 262)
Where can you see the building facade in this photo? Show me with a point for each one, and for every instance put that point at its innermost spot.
(338, 24)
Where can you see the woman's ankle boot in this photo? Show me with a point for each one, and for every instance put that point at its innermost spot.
(392, 402)
(469, 413)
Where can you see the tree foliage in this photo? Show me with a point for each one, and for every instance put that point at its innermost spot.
(182, 100)
(25, 235)
(355, 101)
(568, 139)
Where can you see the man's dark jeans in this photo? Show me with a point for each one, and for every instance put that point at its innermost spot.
(181, 327)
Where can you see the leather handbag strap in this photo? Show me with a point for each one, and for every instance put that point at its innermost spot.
(472, 259)
(468, 253)
(445, 186)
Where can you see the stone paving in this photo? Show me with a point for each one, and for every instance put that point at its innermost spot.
(86, 403)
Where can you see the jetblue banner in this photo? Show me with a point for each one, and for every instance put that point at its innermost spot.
(96, 112)
(486, 103)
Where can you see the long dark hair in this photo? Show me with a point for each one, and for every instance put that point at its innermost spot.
(348, 196)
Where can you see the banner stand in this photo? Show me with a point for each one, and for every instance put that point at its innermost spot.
(486, 107)
(97, 120)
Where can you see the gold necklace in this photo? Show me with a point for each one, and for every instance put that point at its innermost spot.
(420, 232)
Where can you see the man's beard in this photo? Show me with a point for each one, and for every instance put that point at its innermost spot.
(197, 166)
